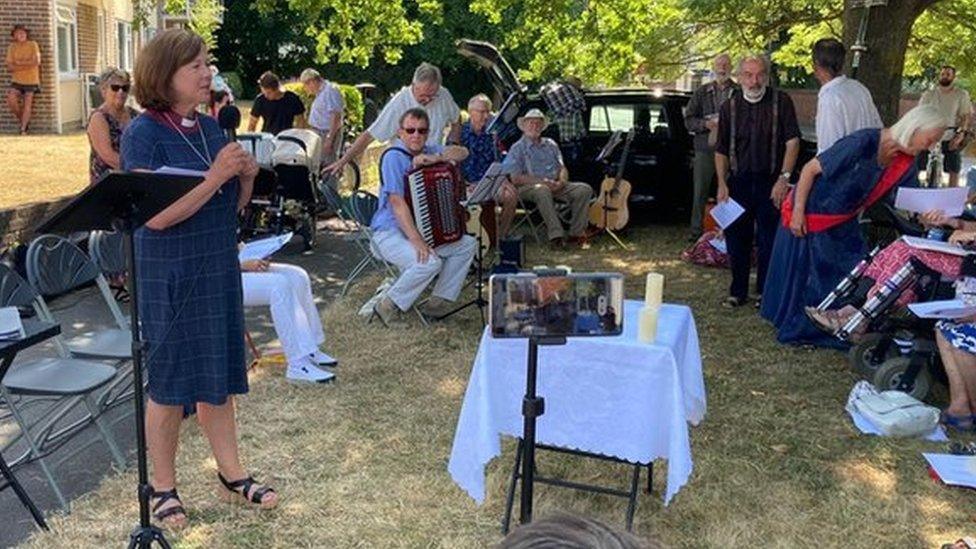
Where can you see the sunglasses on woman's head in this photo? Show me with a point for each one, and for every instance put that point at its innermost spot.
(118, 87)
(421, 131)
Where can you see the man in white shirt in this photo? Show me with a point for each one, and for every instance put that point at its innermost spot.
(425, 92)
(955, 106)
(844, 106)
(325, 116)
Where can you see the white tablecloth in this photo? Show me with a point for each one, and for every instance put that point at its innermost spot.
(607, 395)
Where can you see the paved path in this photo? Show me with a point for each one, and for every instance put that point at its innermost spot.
(327, 265)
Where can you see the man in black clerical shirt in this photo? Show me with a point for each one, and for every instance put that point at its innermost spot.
(276, 107)
(755, 153)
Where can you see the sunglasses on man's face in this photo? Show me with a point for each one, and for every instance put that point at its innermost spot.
(120, 87)
(421, 131)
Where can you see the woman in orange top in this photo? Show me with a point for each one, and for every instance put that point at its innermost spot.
(24, 64)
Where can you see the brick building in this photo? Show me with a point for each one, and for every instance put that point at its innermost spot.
(78, 39)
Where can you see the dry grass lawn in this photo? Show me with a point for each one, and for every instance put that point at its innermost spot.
(363, 463)
(42, 167)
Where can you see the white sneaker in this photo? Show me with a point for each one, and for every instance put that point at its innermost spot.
(303, 371)
(324, 360)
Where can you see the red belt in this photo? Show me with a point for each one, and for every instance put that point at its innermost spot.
(819, 222)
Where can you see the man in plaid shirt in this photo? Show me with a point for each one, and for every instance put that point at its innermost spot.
(565, 101)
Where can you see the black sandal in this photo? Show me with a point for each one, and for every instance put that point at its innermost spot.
(162, 515)
(242, 488)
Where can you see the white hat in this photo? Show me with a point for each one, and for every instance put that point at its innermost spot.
(533, 113)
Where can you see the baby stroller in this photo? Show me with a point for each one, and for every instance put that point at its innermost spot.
(286, 197)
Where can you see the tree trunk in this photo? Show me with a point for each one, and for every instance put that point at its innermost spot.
(889, 28)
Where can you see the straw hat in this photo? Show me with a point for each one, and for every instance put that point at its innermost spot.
(533, 113)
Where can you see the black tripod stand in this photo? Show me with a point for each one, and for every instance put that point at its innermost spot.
(533, 406)
(124, 201)
(479, 284)
(483, 193)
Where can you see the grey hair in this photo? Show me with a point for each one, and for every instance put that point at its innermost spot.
(113, 72)
(427, 73)
(920, 118)
(757, 57)
(480, 97)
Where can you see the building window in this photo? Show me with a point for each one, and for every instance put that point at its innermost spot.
(67, 35)
(124, 31)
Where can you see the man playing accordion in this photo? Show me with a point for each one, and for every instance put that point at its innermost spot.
(396, 237)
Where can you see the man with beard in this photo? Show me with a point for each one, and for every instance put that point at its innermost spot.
(755, 153)
(701, 119)
(843, 105)
(954, 105)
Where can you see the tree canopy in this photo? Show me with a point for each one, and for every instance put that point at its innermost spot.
(605, 42)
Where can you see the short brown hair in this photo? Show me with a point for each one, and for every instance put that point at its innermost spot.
(269, 81)
(416, 113)
(20, 28)
(158, 62)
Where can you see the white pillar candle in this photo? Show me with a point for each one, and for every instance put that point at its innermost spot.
(654, 291)
(647, 324)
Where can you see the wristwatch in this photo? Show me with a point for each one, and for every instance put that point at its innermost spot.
(786, 176)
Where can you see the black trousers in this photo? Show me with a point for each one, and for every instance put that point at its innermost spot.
(757, 225)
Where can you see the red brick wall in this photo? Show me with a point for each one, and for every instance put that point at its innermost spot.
(805, 103)
(87, 38)
(37, 16)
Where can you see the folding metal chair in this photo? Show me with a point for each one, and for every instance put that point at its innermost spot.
(364, 206)
(360, 236)
(56, 266)
(60, 382)
(107, 250)
(523, 216)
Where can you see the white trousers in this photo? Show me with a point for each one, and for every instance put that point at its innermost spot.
(287, 290)
(451, 261)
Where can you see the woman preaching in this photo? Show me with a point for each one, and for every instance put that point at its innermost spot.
(190, 279)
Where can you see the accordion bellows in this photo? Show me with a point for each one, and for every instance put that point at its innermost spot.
(434, 194)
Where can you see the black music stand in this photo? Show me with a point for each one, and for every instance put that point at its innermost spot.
(125, 201)
(484, 191)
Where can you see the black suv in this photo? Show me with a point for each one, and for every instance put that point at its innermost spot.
(660, 161)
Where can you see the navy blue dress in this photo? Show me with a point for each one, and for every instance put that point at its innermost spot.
(190, 299)
(804, 270)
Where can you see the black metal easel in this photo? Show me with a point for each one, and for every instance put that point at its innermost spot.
(533, 406)
(125, 201)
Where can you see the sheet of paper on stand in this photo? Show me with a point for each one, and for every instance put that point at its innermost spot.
(487, 188)
(10, 325)
(953, 470)
(169, 170)
(260, 249)
(950, 308)
(949, 201)
(935, 245)
(725, 213)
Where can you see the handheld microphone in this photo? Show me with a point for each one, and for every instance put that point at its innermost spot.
(228, 118)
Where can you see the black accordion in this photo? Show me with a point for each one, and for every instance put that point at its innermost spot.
(434, 194)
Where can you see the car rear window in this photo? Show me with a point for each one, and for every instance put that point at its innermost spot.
(650, 118)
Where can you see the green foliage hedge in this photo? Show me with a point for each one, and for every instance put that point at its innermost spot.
(353, 114)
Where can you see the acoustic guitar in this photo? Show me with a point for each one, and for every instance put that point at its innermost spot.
(610, 209)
